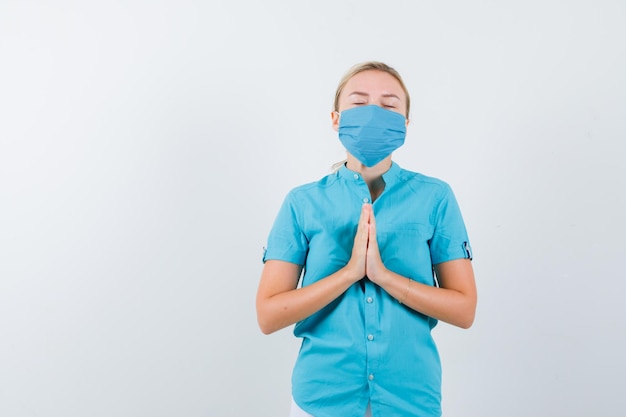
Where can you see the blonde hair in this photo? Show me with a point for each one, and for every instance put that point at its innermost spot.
(368, 66)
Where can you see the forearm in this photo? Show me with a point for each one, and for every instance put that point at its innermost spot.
(448, 305)
(286, 308)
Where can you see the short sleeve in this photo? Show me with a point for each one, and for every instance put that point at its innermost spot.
(286, 241)
(450, 240)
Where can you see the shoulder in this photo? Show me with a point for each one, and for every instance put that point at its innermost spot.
(424, 183)
(313, 188)
(305, 200)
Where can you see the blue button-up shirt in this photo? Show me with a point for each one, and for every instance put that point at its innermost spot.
(365, 346)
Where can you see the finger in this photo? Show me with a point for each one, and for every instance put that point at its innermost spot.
(364, 219)
(372, 221)
(365, 211)
(372, 228)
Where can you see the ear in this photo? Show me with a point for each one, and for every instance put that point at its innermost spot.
(406, 124)
(335, 120)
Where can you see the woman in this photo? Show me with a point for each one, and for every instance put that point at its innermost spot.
(385, 255)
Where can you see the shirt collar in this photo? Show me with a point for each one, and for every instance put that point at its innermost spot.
(390, 177)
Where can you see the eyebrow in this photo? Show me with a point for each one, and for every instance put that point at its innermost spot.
(361, 93)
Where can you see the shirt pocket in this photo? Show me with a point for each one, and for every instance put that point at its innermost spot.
(404, 249)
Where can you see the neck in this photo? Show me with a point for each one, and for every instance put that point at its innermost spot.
(373, 176)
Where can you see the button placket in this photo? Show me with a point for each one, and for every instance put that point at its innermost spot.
(358, 180)
(371, 331)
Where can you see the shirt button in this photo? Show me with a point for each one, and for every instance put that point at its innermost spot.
(366, 200)
(369, 300)
(356, 176)
(370, 337)
(371, 377)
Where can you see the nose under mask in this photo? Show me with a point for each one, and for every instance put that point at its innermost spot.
(371, 133)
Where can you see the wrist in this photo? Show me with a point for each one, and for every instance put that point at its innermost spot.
(350, 275)
(403, 297)
(382, 276)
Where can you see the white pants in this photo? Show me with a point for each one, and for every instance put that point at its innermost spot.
(298, 412)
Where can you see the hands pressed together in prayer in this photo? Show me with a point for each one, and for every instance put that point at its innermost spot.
(280, 302)
(365, 260)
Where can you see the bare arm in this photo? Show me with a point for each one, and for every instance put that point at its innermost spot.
(453, 302)
(279, 303)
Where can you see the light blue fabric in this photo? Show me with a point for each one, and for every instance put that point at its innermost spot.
(365, 346)
(371, 133)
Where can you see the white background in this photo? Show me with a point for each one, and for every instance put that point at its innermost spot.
(145, 147)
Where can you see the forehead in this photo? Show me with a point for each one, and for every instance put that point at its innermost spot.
(374, 82)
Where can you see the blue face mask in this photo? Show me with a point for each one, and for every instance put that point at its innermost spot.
(371, 133)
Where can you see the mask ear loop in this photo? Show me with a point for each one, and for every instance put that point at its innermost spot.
(337, 165)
